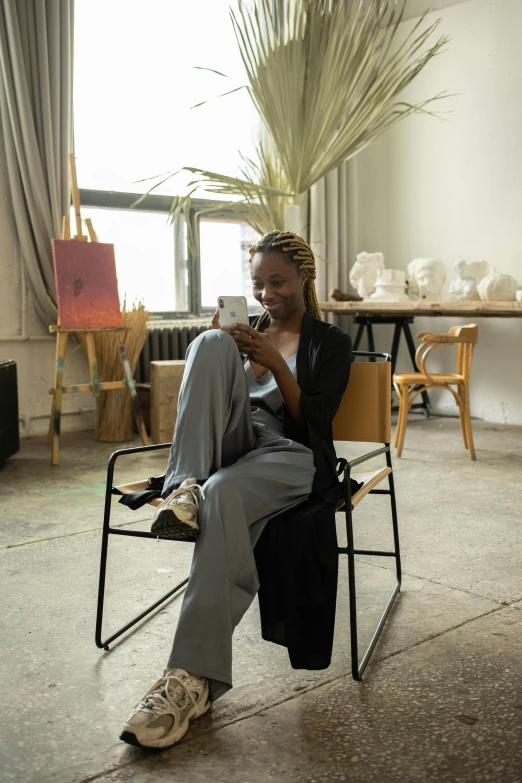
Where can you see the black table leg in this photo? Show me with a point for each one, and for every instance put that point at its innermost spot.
(358, 336)
(371, 342)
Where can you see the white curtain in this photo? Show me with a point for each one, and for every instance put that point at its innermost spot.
(36, 59)
(334, 229)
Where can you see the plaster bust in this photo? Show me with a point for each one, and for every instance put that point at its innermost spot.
(363, 274)
(464, 287)
(426, 277)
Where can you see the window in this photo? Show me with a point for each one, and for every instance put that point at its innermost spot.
(225, 269)
(138, 71)
(144, 249)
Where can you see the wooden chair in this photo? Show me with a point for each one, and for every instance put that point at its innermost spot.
(409, 384)
(363, 416)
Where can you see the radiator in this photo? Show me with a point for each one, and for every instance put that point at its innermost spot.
(167, 341)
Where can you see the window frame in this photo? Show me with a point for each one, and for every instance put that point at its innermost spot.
(112, 199)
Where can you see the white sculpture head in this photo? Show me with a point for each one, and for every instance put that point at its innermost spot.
(427, 277)
(363, 274)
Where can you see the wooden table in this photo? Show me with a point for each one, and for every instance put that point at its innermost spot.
(423, 308)
(401, 315)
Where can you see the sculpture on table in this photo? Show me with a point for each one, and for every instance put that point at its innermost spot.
(478, 269)
(464, 287)
(497, 288)
(363, 274)
(390, 286)
(426, 278)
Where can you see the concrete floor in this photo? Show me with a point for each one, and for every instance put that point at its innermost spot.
(440, 701)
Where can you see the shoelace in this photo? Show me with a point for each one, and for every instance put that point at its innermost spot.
(194, 489)
(156, 702)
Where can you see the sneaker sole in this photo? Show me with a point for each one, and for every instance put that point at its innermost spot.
(167, 525)
(165, 742)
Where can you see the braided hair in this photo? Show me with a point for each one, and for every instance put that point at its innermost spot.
(297, 250)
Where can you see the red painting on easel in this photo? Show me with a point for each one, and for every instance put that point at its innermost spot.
(86, 285)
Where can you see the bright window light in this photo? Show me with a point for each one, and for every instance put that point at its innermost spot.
(225, 270)
(144, 249)
(136, 77)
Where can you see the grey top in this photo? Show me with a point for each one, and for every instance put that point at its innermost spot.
(267, 405)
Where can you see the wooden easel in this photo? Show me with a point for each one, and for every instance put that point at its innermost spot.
(62, 335)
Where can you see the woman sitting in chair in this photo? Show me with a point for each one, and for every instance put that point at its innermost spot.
(251, 441)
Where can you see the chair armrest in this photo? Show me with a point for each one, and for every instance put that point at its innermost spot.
(139, 449)
(433, 337)
(359, 460)
(133, 450)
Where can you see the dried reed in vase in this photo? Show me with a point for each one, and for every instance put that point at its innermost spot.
(114, 419)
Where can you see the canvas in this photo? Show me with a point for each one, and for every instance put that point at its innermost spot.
(86, 285)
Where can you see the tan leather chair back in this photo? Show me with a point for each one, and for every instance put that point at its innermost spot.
(364, 414)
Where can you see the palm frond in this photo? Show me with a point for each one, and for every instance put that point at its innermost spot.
(211, 70)
(326, 79)
(260, 195)
(222, 95)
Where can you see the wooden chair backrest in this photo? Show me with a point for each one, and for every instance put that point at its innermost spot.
(364, 414)
(469, 334)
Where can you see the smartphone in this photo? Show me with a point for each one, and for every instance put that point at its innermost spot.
(232, 310)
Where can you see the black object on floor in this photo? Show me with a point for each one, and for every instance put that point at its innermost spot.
(9, 433)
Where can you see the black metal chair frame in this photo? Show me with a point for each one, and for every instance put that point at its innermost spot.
(349, 550)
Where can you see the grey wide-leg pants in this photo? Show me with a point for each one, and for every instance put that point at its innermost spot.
(246, 481)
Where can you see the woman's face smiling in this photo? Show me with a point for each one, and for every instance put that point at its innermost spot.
(277, 284)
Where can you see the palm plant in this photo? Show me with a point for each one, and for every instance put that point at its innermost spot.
(326, 78)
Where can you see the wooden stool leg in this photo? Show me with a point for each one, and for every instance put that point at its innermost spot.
(132, 391)
(461, 419)
(402, 418)
(467, 421)
(399, 389)
(61, 345)
(398, 427)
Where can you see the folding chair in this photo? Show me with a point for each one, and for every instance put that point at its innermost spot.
(107, 530)
(364, 416)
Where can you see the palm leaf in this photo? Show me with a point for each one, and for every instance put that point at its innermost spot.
(326, 79)
(261, 194)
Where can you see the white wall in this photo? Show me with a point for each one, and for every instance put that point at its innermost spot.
(24, 339)
(452, 188)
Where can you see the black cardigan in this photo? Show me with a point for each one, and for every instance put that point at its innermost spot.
(296, 555)
(324, 358)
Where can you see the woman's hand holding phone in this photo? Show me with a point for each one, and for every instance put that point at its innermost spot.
(257, 346)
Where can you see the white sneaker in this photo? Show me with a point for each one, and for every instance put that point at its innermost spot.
(163, 715)
(178, 514)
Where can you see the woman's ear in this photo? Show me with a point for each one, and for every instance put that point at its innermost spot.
(304, 276)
